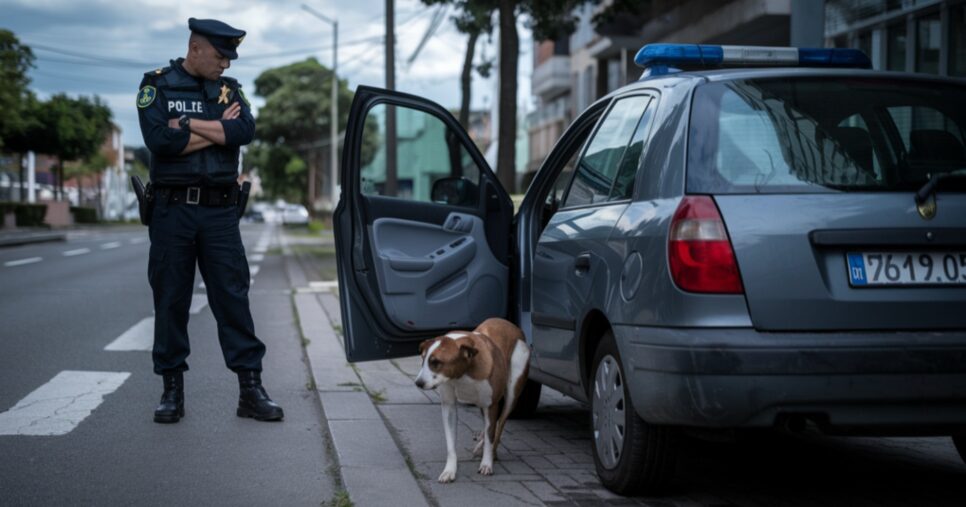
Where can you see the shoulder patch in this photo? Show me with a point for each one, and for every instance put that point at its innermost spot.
(146, 96)
(243, 97)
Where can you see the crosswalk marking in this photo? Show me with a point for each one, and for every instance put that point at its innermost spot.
(198, 303)
(256, 258)
(79, 251)
(112, 244)
(139, 337)
(137, 241)
(58, 406)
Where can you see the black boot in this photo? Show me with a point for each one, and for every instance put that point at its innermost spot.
(253, 401)
(171, 408)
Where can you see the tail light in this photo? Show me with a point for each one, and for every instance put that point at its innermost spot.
(699, 251)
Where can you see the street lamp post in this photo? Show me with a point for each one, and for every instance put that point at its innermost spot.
(334, 124)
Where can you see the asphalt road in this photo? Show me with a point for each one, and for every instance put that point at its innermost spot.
(58, 313)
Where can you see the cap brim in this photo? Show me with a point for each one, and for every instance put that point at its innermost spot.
(230, 54)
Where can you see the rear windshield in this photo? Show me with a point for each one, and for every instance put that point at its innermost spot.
(825, 135)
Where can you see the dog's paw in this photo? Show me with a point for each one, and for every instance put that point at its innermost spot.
(447, 476)
(486, 469)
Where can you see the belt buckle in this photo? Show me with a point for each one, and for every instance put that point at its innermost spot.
(194, 195)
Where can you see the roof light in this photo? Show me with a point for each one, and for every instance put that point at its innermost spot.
(660, 58)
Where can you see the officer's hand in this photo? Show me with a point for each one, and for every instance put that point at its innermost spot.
(173, 123)
(232, 112)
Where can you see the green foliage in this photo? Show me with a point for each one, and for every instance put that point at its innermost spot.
(74, 129)
(294, 125)
(297, 104)
(15, 60)
(84, 215)
(28, 215)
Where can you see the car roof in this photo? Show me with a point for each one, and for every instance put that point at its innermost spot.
(696, 77)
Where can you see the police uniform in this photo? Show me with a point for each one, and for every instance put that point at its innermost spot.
(194, 220)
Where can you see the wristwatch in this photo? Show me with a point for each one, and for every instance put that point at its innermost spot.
(184, 122)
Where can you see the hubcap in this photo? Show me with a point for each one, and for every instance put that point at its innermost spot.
(607, 409)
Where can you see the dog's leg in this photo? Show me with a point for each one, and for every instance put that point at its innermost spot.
(489, 425)
(478, 449)
(448, 402)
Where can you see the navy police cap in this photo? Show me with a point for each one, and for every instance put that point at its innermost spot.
(223, 37)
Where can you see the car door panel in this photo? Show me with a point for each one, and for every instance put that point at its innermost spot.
(412, 266)
(434, 277)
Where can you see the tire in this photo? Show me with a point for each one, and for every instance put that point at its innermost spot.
(960, 442)
(529, 399)
(631, 456)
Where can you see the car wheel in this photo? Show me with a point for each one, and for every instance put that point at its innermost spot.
(960, 442)
(631, 455)
(529, 399)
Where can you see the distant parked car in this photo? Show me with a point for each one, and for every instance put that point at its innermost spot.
(295, 214)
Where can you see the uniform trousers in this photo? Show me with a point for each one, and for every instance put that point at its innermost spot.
(184, 236)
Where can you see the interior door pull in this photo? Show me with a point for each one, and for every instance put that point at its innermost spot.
(582, 263)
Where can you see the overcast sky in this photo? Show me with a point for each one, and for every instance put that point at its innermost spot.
(103, 47)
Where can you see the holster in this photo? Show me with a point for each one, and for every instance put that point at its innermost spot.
(246, 189)
(145, 199)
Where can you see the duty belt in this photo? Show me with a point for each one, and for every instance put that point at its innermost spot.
(199, 196)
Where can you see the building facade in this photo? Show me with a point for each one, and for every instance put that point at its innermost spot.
(927, 36)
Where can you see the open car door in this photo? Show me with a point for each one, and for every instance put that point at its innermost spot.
(422, 229)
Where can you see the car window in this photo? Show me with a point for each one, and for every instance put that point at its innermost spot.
(824, 135)
(624, 182)
(426, 152)
(599, 164)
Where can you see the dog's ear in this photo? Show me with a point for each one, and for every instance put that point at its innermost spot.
(468, 351)
(425, 344)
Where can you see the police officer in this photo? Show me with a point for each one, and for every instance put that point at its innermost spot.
(194, 119)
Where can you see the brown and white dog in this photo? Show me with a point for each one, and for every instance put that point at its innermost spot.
(481, 367)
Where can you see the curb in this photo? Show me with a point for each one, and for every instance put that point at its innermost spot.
(25, 238)
(372, 468)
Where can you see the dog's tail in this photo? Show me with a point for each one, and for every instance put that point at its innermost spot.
(519, 369)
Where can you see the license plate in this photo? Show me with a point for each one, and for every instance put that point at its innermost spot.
(906, 268)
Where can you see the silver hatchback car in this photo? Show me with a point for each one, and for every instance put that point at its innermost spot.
(744, 238)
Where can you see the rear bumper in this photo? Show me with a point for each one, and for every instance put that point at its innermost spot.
(744, 378)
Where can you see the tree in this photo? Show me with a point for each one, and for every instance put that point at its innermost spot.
(73, 129)
(296, 115)
(24, 134)
(549, 19)
(15, 60)
(474, 18)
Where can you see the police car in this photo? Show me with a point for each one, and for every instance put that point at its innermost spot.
(746, 237)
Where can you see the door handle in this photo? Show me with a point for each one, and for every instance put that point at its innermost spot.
(582, 263)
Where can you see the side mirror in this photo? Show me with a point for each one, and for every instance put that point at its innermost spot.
(455, 191)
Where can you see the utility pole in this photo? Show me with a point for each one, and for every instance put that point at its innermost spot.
(391, 184)
(334, 107)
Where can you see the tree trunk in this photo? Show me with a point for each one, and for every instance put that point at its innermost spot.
(507, 133)
(466, 79)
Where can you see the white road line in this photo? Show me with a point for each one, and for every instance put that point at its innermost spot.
(138, 241)
(58, 406)
(79, 251)
(198, 303)
(112, 244)
(201, 285)
(256, 258)
(254, 270)
(21, 262)
(139, 337)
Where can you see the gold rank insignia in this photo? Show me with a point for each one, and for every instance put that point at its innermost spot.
(223, 98)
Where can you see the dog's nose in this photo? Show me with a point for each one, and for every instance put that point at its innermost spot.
(420, 383)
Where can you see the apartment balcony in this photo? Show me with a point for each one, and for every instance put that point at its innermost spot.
(552, 77)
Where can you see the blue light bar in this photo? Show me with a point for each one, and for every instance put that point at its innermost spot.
(659, 58)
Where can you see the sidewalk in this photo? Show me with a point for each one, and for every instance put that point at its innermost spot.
(388, 434)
